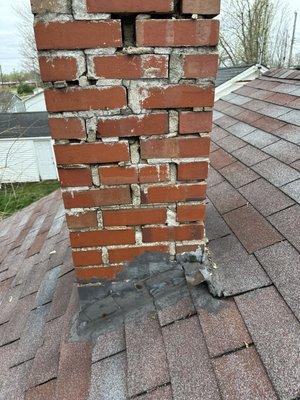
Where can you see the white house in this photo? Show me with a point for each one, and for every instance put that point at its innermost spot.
(26, 151)
(232, 78)
(35, 102)
(10, 102)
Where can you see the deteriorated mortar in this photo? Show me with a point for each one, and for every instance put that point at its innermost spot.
(130, 93)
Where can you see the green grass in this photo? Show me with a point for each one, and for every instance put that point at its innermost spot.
(14, 197)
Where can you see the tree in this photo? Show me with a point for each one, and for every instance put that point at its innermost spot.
(28, 49)
(254, 31)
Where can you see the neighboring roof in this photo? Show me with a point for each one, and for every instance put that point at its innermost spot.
(190, 346)
(7, 100)
(227, 73)
(26, 124)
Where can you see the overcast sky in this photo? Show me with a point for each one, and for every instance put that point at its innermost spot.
(10, 40)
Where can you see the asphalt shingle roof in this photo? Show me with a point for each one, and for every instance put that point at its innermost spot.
(190, 345)
(26, 124)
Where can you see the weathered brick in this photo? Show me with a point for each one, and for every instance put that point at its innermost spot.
(75, 177)
(67, 128)
(177, 96)
(192, 171)
(170, 194)
(82, 220)
(124, 66)
(115, 175)
(140, 216)
(118, 255)
(97, 197)
(73, 35)
(87, 258)
(175, 148)
(200, 65)
(134, 125)
(195, 122)
(190, 212)
(102, 238)
(58, 68)
(176, 33)
(131, 6)
(202, 7)
(53, 6)
(86, 275)
(173, 233)
(91, 153)
(76, 99)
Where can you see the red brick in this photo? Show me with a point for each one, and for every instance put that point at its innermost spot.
(178, 96)
(130, 6)
(58, 68)
(82, 220)
(85, 275)
(125, 66)
(129, 253)
(203, 7)
(200, 65)
(186, 248)
(115, 175)
(97, 197)
(154, 173)
(102, 238)
(87, 258)
(190, 212)
(141, 216)
(78, 34)
(67, 128)
(192, 171)
(147, 124)
(91, 153)
(176, 33)
(175, 147)
(75, 177)
(173, 233)
(77, 99)
(170, 194)
(195, 122)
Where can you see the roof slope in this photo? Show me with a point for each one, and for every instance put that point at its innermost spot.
(26, 124)
(227, 73)
(190, 346)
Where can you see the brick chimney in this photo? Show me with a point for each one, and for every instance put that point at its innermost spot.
(130, 91)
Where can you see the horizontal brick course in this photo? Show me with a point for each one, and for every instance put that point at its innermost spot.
(75, 177)
(87, 275)
(82, 220)
(67, 128)
(173, 233)
(131, 67)
(201, 7)
(176, 33)
(115, 175)
(73, 35)
(102, 238)
(175, 148)
(178, 96)
(129, 253)
(195, 122)
(86, 258)
(134, 125)
(130, 6)
(97, 197)
(200, 65)
(190, 212)
(91, 153)
(192, 171)
(169, 194)
(75, 99)
(141, 216)
(58, 68)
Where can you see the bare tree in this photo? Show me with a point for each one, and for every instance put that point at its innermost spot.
(254, 31)
(28, 49)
